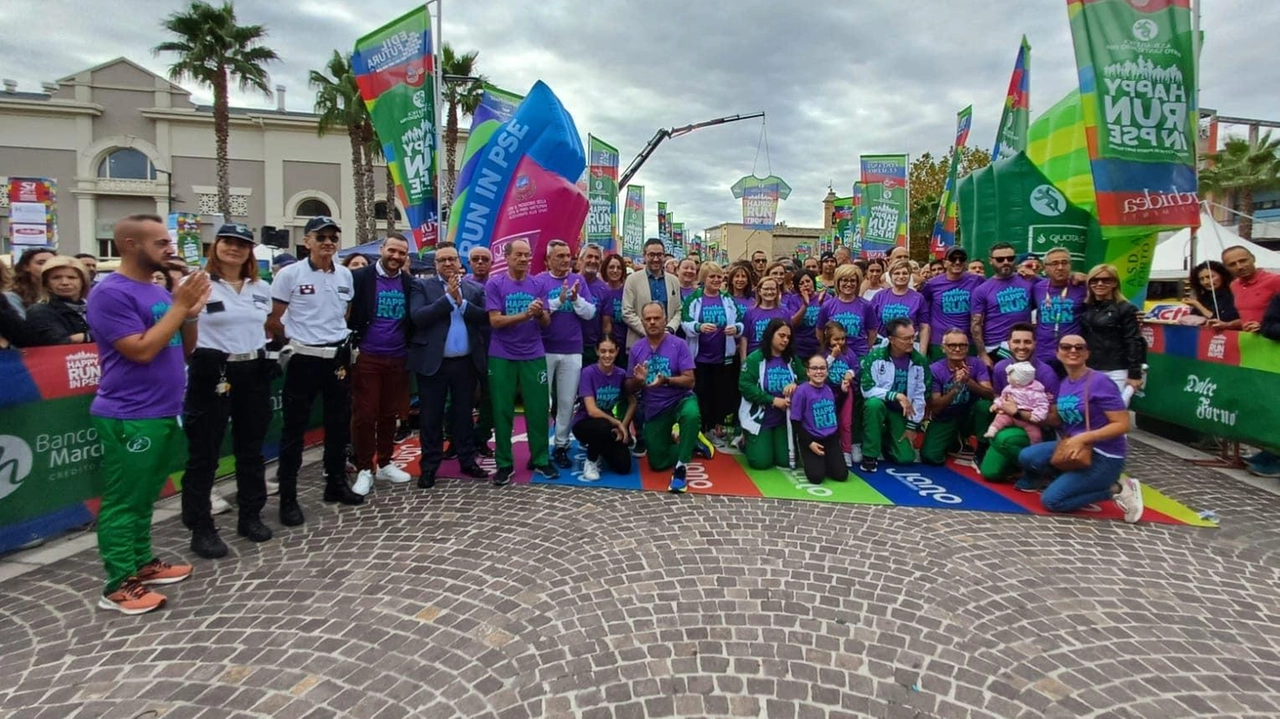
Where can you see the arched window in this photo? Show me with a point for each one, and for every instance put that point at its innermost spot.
(126, 164)
(380, 211)
(312, 208)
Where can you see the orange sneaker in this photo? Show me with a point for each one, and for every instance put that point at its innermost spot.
(160, 572)
(131, 597)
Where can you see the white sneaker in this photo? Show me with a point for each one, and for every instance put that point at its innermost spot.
(590, 471)
(217, 504)
(855, 455)
(1130, 499)
(364, 483)
(273, 487)
(848, 459)
(393, 474)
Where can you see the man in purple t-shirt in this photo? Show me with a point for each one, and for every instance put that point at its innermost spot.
(999, 304)
(570, 303)
(950, 299)
(1059, 302)
(662, 366)
(959, 399)
(135, 413)
(379, 379)
(590, 257)
(1000, 463)
(517, 307)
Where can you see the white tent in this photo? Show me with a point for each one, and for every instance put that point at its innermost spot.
(1172, 260)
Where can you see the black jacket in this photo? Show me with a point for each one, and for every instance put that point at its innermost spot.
(13, 328)
(54, 322)
(1115, 341)
(364, 285)
(1271, 320)
(431, 312)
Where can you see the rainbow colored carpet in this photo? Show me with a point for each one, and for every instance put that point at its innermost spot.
(953, 486)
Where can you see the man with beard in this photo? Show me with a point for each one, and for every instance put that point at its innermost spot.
(135, 413)
(309, 311)
(1000, 462)
(998, 304)
(950, 298)
(379, 379)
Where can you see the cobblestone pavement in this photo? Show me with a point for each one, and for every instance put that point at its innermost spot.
(542, 601)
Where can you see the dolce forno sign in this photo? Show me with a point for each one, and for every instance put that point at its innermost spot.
(1220, 383)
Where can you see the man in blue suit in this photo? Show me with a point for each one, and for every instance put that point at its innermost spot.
(449, 355)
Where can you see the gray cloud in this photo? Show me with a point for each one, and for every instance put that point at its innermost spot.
(836, 79)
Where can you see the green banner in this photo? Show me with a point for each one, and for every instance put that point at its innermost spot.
(633, 222)
(602, 193)
(885, 198)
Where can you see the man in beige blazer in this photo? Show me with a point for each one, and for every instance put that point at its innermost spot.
(637, 292)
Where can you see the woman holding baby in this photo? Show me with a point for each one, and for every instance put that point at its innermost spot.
(1085, 465)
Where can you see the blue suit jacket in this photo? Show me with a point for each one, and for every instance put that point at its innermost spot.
(430, 311)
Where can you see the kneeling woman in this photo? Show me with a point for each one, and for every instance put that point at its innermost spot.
(768, 378)
(1094, 424)
(595, 423)
(813, 417)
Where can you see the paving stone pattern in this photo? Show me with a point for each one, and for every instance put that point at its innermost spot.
(471, 601)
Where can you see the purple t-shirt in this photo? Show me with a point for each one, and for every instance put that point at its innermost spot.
(1002, 304)
(686, 291)
(1104, 397)
(606, 390)
(815, 409)
(805, 334)
(121, 307)
(1044, 374)
(611, 303)
(757, 319)
(778, 373)
(1058, 311)
(523, 340)
(564, 335)
(591, 329)
(711, 346)
(942, 382)
(950, 303)
(671, 359)
(385, 334)
(886, 306)
(855, 316)
(837, 365)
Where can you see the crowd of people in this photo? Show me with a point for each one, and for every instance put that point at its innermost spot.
(822, 363)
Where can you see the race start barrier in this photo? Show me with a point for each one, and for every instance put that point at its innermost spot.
(49, 450)
(1220, 382)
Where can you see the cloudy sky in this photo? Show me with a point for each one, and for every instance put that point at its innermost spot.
(836, 79)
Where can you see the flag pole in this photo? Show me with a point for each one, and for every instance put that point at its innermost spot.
(439, 138)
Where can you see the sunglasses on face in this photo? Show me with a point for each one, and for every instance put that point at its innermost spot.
(327, 238)
(1068, 347)
(1102, 280)
(1002, 260)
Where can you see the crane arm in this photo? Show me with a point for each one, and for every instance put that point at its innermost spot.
(664, 133)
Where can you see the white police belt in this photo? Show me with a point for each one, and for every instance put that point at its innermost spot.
(245, 356)
(310, 350)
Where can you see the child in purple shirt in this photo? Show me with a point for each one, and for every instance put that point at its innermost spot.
(815, 424)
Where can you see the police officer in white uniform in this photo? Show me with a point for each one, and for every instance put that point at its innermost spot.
(229, 378)
(309, 311)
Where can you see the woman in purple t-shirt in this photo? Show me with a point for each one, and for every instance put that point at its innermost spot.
(804, 303)
(814, 421)
(712, 324)
(742, 277)
(850, 310)
(614, 272)
(595, 420)
(768, 307)
(1094, 422)
(901, 301)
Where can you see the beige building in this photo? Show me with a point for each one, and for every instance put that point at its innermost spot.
(741, 242)
(119, 139)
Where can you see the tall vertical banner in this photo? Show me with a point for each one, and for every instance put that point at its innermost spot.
(602, 218)
(523, 185)
(664, 226)
(396, 73)
(944, 228)
(677, 240)
(842, 220)
(1011, 137)
(1137, 84)
(633, 222)
(760, 200)
(859, 221)
(33, 213)
(884, 196)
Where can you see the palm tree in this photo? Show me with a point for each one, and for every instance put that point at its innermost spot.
(338, 103)
(212, 50)
(1239, 170)
(462, 93)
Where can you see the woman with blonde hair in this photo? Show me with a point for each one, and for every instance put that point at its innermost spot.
(850, 310)
(768, 307)
(901, 301)
(59, 317)
(1109, 325)
(713, 325)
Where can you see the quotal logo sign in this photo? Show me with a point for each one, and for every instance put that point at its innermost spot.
(15, 463)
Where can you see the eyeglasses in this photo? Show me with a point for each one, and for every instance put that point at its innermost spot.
(1058, 263)
(1068, 347)
(818, 368)
(1102, 280)
(956, 345)
(761, 261)
(1003, 259)
(331, 239)
(654, 255)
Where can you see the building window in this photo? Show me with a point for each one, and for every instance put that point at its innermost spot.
(380, 211)
(239, 205)
(106, 249)
(208, 204)
(126, 164)
(312, 208)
